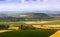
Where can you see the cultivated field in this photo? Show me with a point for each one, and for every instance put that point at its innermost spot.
(29, 33)
(52, 22)
(56, 34)
(1, 31)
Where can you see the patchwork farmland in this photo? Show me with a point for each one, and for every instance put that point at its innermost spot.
(38, 25)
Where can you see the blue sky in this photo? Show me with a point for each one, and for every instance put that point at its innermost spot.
(22, 5)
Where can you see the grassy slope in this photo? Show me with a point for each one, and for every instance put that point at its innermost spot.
(28, 33)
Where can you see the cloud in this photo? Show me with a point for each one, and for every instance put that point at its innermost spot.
(30, 7)
(22, 7)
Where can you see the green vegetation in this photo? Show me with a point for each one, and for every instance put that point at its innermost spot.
(28, 33)
(53, 22)
(14, 23)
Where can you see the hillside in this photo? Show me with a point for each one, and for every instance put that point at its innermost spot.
(24, 16)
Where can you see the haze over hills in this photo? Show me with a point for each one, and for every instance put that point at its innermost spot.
(14, 13)
(48, 12)
(19, 16)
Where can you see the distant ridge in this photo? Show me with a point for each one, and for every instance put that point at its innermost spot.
(47, 12)
(24, 16)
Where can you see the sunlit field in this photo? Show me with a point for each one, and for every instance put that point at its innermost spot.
(52, 22)
(30, 33)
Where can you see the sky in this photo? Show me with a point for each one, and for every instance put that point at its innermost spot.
(29, 5)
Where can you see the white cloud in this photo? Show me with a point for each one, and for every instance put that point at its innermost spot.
(21, 7)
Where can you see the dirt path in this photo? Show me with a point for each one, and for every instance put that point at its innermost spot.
(57, 34)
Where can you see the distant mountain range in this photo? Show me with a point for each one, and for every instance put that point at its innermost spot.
(47, 12)
(24, 16)
(18, 13)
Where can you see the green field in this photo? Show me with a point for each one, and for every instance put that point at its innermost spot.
(52, 22)
(28, 33)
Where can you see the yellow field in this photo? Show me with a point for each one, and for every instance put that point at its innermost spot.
(4, 31)
(57, 34)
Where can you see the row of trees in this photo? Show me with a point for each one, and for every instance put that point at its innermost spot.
(21, 27)
(14, 19)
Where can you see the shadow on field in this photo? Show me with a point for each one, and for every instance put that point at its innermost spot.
(28, 33)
